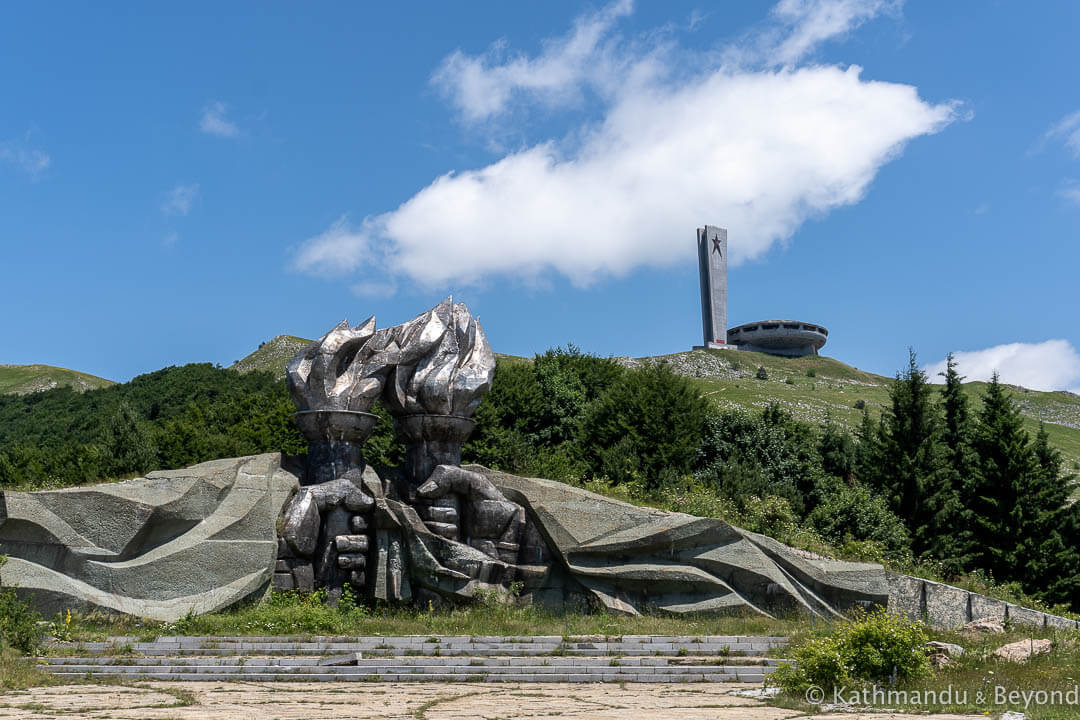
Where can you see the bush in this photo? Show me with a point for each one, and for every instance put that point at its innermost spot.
(18, 622)
(762, 373)
(528, 422)
(860, 404)
(650, 422)
(852, 514)
(871, 648)
(811, 373)
(767, 454)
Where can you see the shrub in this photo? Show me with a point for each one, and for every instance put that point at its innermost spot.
(18, 622)
(811, 373)
(870, 648)
(860, 404)
(853, 514)
(762, 373)
(649, 422)
(767, 454)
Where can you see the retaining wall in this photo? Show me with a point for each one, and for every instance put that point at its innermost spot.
(945, 607)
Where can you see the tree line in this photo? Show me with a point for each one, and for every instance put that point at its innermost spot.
(932, 479)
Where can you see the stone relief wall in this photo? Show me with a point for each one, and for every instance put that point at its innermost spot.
(159, 547)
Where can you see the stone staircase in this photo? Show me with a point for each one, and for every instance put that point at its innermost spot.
(627, 658)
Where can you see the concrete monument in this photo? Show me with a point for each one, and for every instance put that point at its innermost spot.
(430, 533)
(712, 274)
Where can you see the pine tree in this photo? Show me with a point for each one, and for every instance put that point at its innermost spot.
(914, 479)
(961, 463)
(128, 442)
(996, 518)
(1046, 553)
(868, 462)
(838, 453)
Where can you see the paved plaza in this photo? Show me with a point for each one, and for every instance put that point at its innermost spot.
(424, 701)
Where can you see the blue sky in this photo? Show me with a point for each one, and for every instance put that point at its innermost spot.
(179, 184)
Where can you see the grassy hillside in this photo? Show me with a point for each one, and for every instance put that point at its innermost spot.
(815, 388)
(272, 355)
(23, 379)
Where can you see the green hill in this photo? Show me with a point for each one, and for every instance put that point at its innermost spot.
(817, 388)
(271, 356)
(24, 379)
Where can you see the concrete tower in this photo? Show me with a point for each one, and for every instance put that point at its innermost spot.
(712, 270)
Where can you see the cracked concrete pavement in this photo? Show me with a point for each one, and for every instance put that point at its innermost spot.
(416, 701)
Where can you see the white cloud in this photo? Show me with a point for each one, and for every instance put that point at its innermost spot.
(21, 153)
(336, 252)
(170, 239)
(757, 150)
(808, 23)
(180, 199)
(1050, 365)
(214, 121)
(1068, 131)
(481, 87)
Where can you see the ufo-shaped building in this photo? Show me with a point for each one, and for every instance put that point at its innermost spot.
(779, 337)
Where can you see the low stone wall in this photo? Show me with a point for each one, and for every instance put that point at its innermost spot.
(945, 607)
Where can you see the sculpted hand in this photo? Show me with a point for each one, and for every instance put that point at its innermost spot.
(491, 523)
(336, 504)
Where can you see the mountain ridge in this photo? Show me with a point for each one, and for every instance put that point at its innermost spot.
(26, 379)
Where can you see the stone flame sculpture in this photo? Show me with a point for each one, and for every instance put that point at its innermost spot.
(434, 526)
(333, 388)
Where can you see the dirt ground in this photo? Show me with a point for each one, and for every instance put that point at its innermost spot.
(415, 701)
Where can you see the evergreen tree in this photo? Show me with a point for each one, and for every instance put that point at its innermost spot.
(913, 477)
(1046, 554)
(128, 441)
(995, 516)
(655, 419)
(868, 462)
(838, 453)
(960, 463)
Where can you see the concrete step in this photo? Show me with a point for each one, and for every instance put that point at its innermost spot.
(389, 659)
(442, 677)
(314, 661)
(391, 672)
(413, 639)
(413, 669)
(547, 645)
